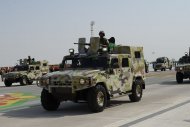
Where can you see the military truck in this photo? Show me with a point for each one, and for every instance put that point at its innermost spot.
(26, 72)
(183, 68)
(162, 63)
(95, 76)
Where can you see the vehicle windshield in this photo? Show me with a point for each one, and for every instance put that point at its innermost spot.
(184, 60)
(160, 60)
(95, 62)
(21, 68)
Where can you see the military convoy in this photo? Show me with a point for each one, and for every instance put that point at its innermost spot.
(95, 76)
(183, 68)
(27, 71)
(162, 63)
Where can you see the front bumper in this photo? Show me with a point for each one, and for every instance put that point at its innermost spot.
(12, 79)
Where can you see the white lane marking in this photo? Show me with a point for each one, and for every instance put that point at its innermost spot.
(131, 120)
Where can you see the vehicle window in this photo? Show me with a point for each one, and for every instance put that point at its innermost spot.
(37, 68)
(160, 60)
(21, 68)
(44, 64)
(125, 62)
(114, 63)
(31, 68)
(91, 62)
(137, 54)
(68, 63)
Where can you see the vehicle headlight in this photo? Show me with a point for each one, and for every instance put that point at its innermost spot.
(104, 49)
(82, 81)
(180, 68)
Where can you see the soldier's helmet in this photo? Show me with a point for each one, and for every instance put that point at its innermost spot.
(101, 33)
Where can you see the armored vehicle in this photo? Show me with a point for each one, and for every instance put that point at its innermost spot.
(95, 76)
(183, 68)
(26, 72)
(162, 63)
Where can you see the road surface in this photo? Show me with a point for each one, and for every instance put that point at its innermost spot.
(164, 103)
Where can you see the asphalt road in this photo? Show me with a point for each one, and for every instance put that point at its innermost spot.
(164, 103)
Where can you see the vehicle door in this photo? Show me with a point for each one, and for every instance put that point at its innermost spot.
(31, 73)
(114, 73)
(126, 77)
(37, 71)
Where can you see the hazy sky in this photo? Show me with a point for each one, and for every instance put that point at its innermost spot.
(46, 29)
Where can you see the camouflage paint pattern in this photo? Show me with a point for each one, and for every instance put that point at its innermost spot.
(121, 80)
(32, 74)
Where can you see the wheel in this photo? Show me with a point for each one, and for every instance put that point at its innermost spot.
(147, 70)
(30, 82)
(97, 98)
(179, 78)
(48, 101)
(170, 68)
(136, 91)
(7, 83)
(155, 70)
(24, 81)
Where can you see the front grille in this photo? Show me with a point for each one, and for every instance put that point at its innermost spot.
(58, 83)
(186, 68)
(158, 66)
(62, 90)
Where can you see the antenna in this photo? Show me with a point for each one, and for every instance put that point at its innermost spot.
(91, 26)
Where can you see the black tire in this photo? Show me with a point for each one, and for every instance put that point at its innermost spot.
(7, 83)
(97, 98)
(48, 101)
(137, 91)
(24, 81)
(155, 70)
(147, 70)
(30, 82)
(179, 78)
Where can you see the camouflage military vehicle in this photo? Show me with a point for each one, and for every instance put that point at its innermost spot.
(183, 68)
(162, 63)
(26, 72)
(95, 76)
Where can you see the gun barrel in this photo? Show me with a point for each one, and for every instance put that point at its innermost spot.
(83, 43)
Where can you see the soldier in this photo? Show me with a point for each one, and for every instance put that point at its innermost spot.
(111, 43)
(2, 73)
(103, 41)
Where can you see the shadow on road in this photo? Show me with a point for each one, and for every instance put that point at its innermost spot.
(65, 109)
(114, 103)
(16, 85)
(185, 82)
